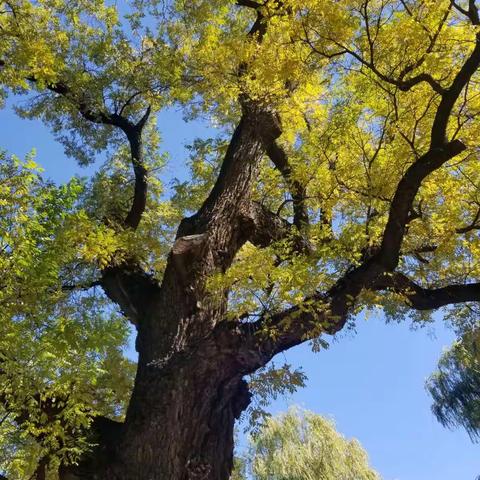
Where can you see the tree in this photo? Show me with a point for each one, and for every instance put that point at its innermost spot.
(61, 361)
(344, 178)
(455, 386)
(305, 446)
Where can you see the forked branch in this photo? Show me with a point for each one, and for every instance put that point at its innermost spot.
(133, 131)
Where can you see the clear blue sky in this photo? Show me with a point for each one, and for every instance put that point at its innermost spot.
(371, 383)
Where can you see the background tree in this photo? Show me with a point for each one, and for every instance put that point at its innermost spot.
(345, 177)
(301, 445)
(455, 387)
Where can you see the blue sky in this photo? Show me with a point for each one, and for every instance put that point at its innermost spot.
(370, 382)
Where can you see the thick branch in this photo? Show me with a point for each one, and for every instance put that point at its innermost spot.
(41, 470)
(104, 434)
(278, 332)
(471, 13)
(133, 132)
(221, 218)
(266, 228)
(404, 196)
(259, 27)
(94, 116)
(450, 96)
(123, 285)
(440, 152)
(328, 312)
(404, 85)
(139, 202)
(327, 315)
(130, 288)
(81, 286)
(400, 82)
(243, 150)
(421, 298)
(279, 158)
(223, 213)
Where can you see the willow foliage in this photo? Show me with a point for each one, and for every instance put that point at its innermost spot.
(301, 445)
(455, 386)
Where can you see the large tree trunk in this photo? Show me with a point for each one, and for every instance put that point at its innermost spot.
(189, 388)
(182, 428)
(180, 422)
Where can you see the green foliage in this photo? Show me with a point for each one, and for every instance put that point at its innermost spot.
(267, 384)
(301, 445)
(349, 135)
(455, 386)
(58, 348)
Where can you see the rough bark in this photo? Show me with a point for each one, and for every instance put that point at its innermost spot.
(181, 417)
(189, 388)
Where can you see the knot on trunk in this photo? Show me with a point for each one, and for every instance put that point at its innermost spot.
(198, 469)
(184, 252)
(188, 244)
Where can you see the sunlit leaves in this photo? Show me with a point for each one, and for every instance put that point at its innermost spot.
(58, 345)
(301, 445)
(355, 86)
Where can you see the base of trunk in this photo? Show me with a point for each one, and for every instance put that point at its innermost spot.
(180, 426)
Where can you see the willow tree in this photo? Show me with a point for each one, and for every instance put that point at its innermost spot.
(345, 176)
(455, 386)
(300, 445)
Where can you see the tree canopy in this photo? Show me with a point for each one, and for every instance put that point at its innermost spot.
(301, 445)
(344, 177)
(455, 386)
